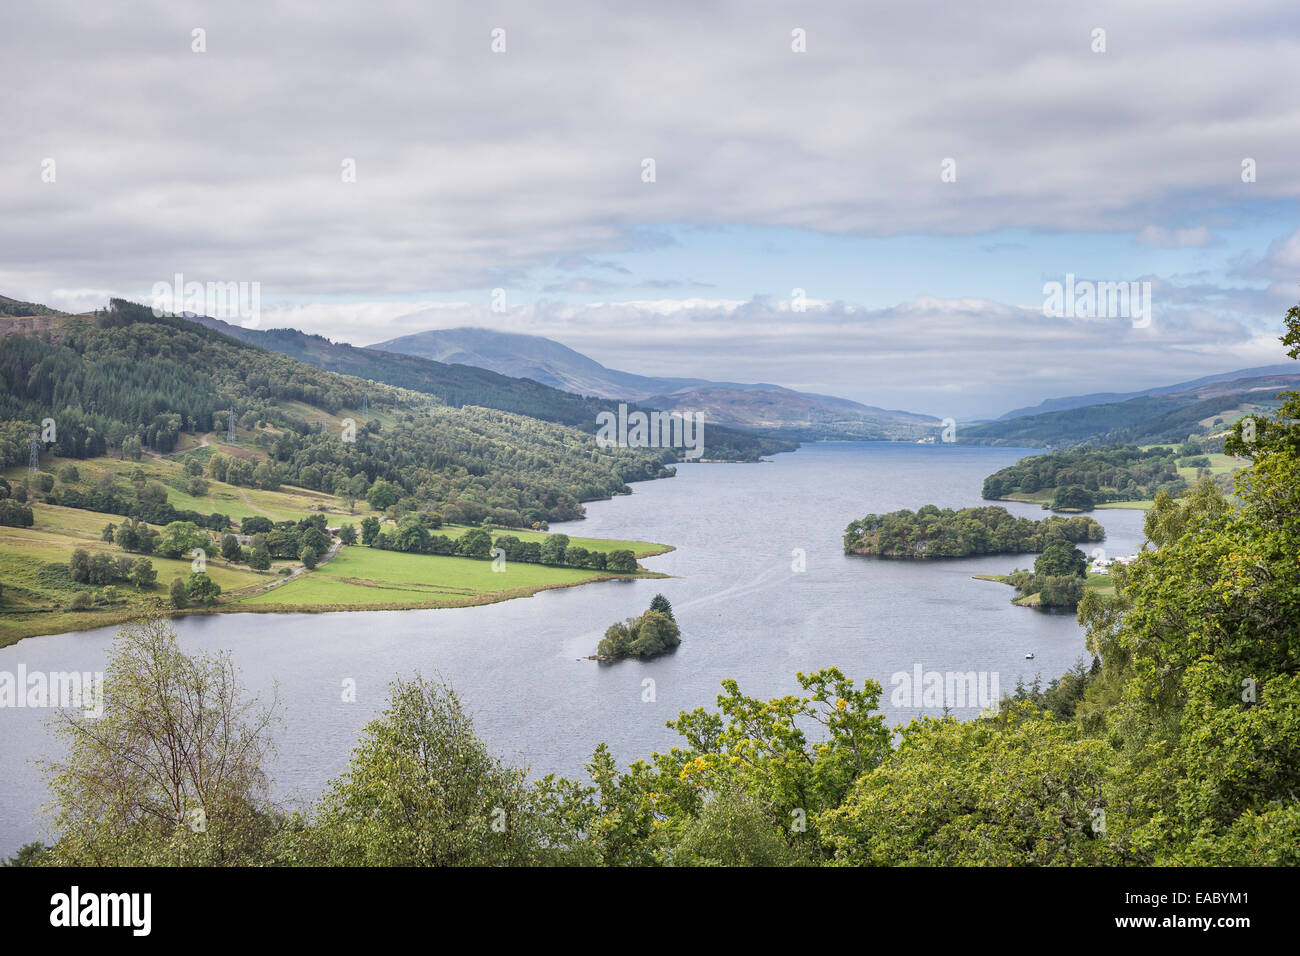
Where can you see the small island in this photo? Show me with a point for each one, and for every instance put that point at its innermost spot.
(655, 632)
(1058, 580)
(931, 532)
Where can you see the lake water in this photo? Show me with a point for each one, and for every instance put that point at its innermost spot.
(744, 613)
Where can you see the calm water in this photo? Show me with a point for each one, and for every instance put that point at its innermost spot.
(743, 611)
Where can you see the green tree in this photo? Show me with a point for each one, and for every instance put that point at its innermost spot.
(369, 530)
(230, 549)
(143, 574)
(173, 772)
(1061, 558)
(422, 789)
(201, 588)
(382, 495)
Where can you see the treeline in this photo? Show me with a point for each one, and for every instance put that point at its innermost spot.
(413, 534)
(931, 532)
(1107, 473)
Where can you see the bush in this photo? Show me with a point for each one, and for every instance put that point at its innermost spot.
(81, 601)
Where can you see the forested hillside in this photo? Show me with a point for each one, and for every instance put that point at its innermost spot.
(458, 385)
(1109, 473)
(1146, 420)
(126, 383)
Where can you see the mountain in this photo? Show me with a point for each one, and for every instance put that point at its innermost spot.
(1109, 398)
(460, 385)
(1167, 416)
(799, 415)
(533, 357)
(770, 408)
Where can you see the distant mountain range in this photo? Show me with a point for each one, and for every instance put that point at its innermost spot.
(1110, 398)
(1166, 414)
(769, 408)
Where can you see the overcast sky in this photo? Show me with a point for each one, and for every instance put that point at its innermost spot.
(774, 170)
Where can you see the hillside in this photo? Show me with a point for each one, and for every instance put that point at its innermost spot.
(1150, 419)
(791, 414)
(798, 415)
(1110, 398)
(127, 383)
(459, 385)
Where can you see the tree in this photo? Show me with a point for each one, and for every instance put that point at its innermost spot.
(348, 534)
(1073, 498)
(79, 565)
(422, 789)
(172, 772)
(475, 543)
(180, 538)
(259, 559)
(369, 530)
(143, 574)
(553, 547)
(230, 548)
(308, 558)
(382, 495)
(176, 593)
(660, 603)
(1061, 559)
(622, 561)
(199, 587)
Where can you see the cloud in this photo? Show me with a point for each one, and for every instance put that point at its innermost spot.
(474, 169)
(1197, 237)
(1281, 260)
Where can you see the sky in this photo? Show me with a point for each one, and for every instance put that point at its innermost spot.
(863, 200)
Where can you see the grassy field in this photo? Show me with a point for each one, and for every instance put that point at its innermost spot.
(37, 590)
(286, 504)
(367, 578)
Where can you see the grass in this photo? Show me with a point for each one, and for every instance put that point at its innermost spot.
(287, 504)
(363, 577)
(36, 594)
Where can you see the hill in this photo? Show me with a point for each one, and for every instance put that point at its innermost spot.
(801, 416)
(1149, 419)
(1286, 372)
(128, 383)
(459, 385)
